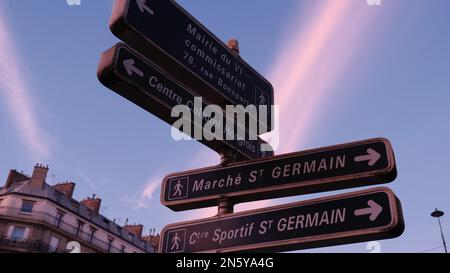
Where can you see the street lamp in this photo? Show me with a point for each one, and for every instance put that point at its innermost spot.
(438, 214)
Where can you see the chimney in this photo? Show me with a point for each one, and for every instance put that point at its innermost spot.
(38, 177)
(92, 203)
(135, 229)
(233, 44)
(66, 188)
(153, 240)
(15, 177)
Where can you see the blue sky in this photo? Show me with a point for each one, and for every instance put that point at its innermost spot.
(341, 72)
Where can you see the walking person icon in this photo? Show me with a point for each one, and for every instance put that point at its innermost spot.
(262, 99)
(175, 242)
(178, 189)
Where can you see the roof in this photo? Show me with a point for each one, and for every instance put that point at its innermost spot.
(22, 187)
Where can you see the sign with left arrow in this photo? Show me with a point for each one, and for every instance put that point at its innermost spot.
(178, 43)
(349, 218)
(337, 167)
(137, 79)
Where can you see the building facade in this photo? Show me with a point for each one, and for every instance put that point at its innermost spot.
(38, 217)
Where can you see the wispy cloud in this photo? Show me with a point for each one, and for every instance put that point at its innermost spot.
(144, 197)
(17, 96)
(312, 63)
(93, 184)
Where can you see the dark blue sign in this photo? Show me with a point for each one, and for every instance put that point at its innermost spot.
(361, 216)
(349, 165)
(143, 83)
(165, 33)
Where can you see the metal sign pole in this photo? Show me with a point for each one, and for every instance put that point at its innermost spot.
(228, 156)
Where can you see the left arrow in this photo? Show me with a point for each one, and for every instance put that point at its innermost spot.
(129, 66)
(142, 4)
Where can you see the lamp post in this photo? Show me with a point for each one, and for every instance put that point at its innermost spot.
(438, 214)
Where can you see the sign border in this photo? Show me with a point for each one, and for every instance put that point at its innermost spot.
(396, 226)
(297, 188)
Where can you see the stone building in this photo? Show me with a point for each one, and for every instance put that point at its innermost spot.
(38, 217)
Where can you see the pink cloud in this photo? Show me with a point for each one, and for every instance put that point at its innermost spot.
(145, 196)
(17, 96)
(308, 73)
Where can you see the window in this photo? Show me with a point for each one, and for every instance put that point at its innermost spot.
(59, 216)
(54, 243)
(91, 237)
(80, 227)
(110, 241)
(58, 196)
(18, 233)
(75, 206)
(27, 206)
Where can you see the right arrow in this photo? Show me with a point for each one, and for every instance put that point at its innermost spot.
(129, 66)
(372, 157)
(373, 210)
(143, 7)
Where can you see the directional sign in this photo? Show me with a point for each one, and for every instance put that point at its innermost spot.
(349, 165)
(361, 216)
(143, 83)
(165, 33)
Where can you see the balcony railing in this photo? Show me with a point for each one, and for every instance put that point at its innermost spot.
(75, 231)
(28, 245)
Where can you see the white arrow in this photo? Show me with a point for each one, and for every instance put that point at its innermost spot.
(372, 156)
(143, 7)
(129, 66)
(373, 210)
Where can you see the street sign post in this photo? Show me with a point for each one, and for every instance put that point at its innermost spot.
(137, 79)
(349, 165)
(170, 60)
(165, 33)
(349, 218)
